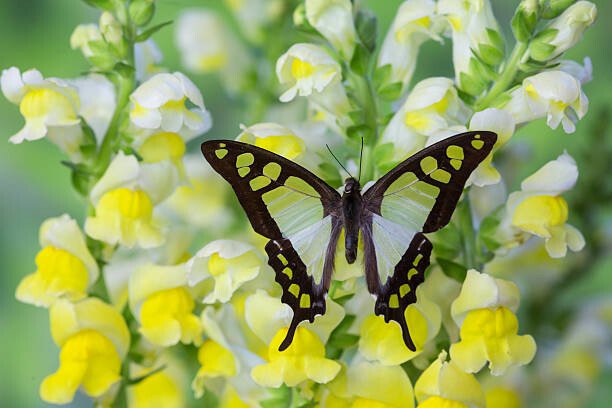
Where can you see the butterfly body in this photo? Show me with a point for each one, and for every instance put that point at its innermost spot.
(352, 213)
(303, 217)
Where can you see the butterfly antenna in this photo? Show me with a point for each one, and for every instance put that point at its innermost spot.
(360, 160)
(334, 156)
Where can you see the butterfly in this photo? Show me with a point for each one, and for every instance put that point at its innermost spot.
(304, 217)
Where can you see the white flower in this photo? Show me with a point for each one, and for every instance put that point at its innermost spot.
(475, 31)
(307, 68)
(431, 106)
(97, 96)
(415, 22)
(44, 103)
(566, 30)
(334, 20)
(254, 15)
(228, 263)
(82, 35)
(583, 73)
(160, 103)
(555, 95)
(275, 138)
(538, 209)
(146, 57)
(500, 122)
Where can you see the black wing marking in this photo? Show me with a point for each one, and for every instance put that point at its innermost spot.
(264, 183)
(400, 289)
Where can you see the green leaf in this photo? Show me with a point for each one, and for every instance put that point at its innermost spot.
(123, 69)
(330, 174)
(144, 36)
(209, 399)
(136, 380)
(490, 54)
(360, 60)
(523, 23)
(356, 116)
(366, 26)
(101, 4)
(471, 85)
(382, 75)
(452, 269)
(391, 92)
(554, 8)
(447, 242)
(279, 398)
(488, 229)
(541, 51)
(358, 132)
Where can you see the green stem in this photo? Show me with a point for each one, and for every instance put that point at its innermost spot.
(468, 234)
(506, 77)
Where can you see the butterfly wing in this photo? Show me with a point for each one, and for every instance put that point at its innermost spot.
(293, 208)
(418, 195)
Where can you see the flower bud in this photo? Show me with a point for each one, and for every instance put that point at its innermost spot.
(525, 20)
(141, 11)
(563, 32)
(111, 29)
(334, 20)
(553, 8)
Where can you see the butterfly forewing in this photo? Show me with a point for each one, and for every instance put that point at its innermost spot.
(292, 207)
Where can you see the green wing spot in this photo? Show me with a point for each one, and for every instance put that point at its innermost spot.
(477, 144)
(283, 260)
(404, 290)
(429, 164)
(305, 301)
(300, 185)
(222, 145)
(259, 182)
(294, 289)
(412, 272)
(402, 181)
(393, 301)
(441, 175)
(456, 163)
(220, 153)
(272, 170)
(288, 272)
(243, 171)
(455, 152)
(245, 159)
(417, 259)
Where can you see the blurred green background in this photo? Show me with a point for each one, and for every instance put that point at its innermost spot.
(34, 186)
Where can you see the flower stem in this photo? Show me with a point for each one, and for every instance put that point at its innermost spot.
(506, 77)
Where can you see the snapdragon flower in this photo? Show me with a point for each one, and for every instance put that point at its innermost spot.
(334, 20)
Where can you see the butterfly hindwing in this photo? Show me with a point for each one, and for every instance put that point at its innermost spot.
(296, 210)
(399, 291)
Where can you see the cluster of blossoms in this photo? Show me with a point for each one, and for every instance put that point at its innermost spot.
(148, 296)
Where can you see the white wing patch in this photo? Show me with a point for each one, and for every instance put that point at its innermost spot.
(311, 245)
(390, 241)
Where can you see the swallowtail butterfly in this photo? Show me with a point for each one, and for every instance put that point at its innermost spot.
(303, 218)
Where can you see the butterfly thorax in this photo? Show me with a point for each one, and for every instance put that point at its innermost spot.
(351, 210)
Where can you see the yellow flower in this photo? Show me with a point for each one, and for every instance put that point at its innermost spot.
(124, 216)
(162, 304)
(94, 339)
(366, 384)
(488, 326)
(433, 105)
(275, 138)
(539, 209)
(215, 361)
(201, 202)
(444, 384)
(500, 397)
(303, 360)
(65, 268)
(44, 103)
(266, 316)
(383, 341)
(160, 103)
(229, 264)
(159, 390)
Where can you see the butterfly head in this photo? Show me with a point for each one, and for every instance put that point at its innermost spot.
(350, 185)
